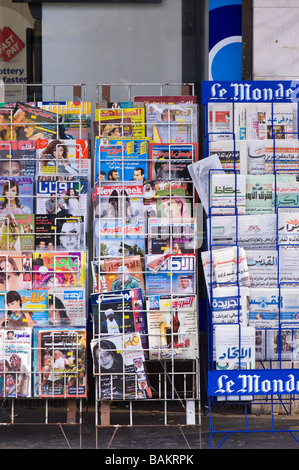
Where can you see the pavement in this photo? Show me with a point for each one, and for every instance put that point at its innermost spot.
(31, 428)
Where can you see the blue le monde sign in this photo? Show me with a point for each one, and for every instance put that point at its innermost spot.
(253, 382)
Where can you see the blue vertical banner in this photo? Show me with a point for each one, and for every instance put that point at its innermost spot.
(225, 39)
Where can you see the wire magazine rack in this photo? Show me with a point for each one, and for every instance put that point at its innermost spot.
(251, 142)
(45, 185)
(145, 331)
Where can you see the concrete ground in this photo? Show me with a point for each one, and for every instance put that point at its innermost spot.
(149, 433)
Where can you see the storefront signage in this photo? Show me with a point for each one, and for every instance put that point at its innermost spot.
(253, 91)
(253, 382)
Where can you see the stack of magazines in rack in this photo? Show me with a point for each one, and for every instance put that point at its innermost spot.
(144, 304)
(249, 187)
(45, 180)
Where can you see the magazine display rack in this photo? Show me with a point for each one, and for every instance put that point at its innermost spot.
(250, 194)
(45, 180)
(144, 300)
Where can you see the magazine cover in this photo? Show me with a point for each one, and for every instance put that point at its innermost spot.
(121, 200)
(171, 123)
(33, 123)
(281, 155)
(172, 327)
(220, 121)
(235, 347)
(231, 153)
(59, 269)
(264, 305)
(62, 198)
(17, 158)
(119, 237)
(259, 194)
(98, 277)
(230, 266)
(164, 236)
(5, 121)
(59, 233)
(177, 275)
(262, 267)
(62, 157)
(230, 305)
(16, 195)
(23, 308)
(17, 232)
(59, 362)
(287, 225)
(124, 273)
(16, 362)
(119, 362)
(127, 122)
(15, 270)
(74, 118)
(228, 193)
(120, 312)
(174, 200)
(170, 161)
(67, 306)
(285, 194)
(127, 158)
(165, 99)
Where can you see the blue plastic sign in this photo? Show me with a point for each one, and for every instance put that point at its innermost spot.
(250, 382)
(251, 91)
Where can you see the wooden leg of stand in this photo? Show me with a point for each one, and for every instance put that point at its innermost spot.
(71, 411)
(105, 413)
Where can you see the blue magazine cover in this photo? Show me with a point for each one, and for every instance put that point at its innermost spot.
(122, 160)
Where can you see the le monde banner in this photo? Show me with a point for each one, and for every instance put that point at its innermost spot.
(253, 382)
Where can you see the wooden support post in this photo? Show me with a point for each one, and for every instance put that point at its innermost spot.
(105, 413)
(106, 93)
(71, 411)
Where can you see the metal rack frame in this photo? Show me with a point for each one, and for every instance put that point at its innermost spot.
(267, 365)
(165, 389)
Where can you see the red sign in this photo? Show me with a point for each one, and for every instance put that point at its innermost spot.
(10, 44)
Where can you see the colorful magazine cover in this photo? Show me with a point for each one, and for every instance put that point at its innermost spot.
(119, 312)
(119, 237)
(75, 118)
(59, 233)
(98, 277)
(58, 269)
(174, 202)
(15, 270)
(67, 307)
(17, 232)
(62, 197)
(176, 275)
(127, 157)
(124, 273)
(17, 158)
(164, 236)
(23, 308)
(121, 122)
(16, 362)
(172, 327)
(171, 123)
(33, 123)
(170, 161)
(119, 362)
(62, 157)
(120, 200)
(59, 362)
(16, 195)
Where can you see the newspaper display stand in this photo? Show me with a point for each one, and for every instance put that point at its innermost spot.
(252, 166)
(45, 179)
(145, 330)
